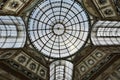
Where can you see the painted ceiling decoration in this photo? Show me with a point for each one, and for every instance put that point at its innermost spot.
(20, 61)
(60, 39)
(95, 62)
(103, 9)
(111, 73)
(12, 6)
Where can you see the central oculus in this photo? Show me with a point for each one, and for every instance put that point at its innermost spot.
(58, 28)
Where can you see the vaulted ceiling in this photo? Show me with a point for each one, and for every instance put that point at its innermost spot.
(82, 42)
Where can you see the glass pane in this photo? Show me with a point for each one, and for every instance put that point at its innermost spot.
(62, 70)
(60, 25)
(12, 32)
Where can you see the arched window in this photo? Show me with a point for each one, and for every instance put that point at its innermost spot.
(106, 33)
(61, 70)
(12, 32)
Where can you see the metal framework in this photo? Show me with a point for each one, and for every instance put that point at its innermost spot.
(106, 33)
(58, 28)
(61, 70)
(12, 32)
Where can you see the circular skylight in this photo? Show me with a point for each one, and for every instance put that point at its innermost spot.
(58, 28)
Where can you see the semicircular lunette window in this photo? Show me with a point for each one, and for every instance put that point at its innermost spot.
(58, 28)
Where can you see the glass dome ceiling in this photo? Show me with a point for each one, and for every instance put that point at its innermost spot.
(58, 28)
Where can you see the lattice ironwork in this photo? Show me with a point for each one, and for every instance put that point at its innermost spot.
(58, 28)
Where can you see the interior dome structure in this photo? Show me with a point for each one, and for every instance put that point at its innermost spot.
(58, 28)
(59, 39)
